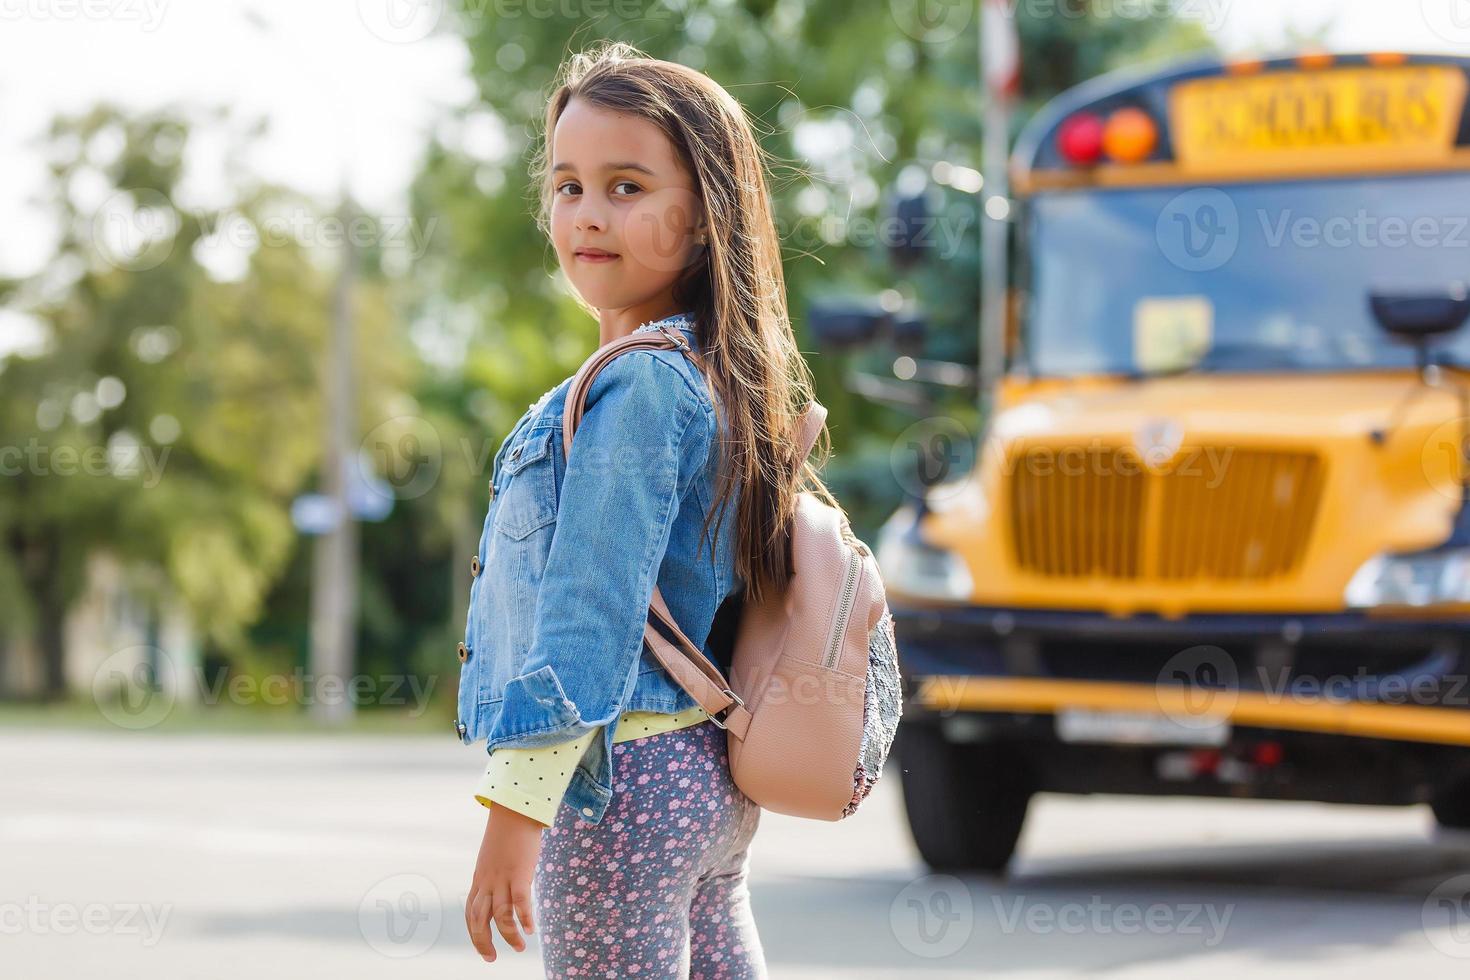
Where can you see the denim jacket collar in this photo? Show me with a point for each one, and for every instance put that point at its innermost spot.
(683, 321)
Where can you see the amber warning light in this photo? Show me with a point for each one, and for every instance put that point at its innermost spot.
(1128, 135)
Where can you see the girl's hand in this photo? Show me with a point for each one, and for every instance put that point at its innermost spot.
(501, 887)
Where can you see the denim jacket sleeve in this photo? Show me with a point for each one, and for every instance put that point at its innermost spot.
(643, 437)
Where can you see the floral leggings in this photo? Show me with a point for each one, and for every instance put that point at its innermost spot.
(658, 889)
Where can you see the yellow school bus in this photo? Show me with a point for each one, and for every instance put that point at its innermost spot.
(1215, 541)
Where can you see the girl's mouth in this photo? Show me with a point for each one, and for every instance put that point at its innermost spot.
(594, 255)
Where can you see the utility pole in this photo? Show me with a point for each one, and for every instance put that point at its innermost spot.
(335, 561)
(999, 69)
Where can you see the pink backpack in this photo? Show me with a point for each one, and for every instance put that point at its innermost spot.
(812, 703)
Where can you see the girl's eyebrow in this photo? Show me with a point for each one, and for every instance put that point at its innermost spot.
(629, 165)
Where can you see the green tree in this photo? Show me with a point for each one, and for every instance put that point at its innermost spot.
(175, 409)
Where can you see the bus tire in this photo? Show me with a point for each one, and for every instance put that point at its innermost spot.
(964, 801)
(1452, 807)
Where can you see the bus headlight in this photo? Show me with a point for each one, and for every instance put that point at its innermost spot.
(1422, 578)
(911, 565)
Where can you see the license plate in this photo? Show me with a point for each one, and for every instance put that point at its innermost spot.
(1301, 120)
(1137, 728)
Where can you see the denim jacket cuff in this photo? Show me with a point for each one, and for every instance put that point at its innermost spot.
(537, 713)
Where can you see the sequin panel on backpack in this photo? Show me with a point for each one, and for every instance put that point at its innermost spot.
(882, 706)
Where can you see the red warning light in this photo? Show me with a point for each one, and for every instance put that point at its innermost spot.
(1080, 139)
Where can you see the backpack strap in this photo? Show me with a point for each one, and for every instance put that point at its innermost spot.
(693, 670)
(666, 338)
(810, 426)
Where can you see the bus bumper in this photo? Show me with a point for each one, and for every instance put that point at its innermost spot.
(1328, 707)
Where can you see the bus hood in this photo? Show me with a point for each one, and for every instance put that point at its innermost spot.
(1230, 406)
(1203, 492)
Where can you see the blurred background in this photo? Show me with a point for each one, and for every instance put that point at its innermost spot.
(177, 226)
(271, 296)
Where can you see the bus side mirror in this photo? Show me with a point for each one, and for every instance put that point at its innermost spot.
(1418, 317)
(840, 324)
(910, 222)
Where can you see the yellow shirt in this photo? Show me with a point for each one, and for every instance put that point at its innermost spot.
(533, 781)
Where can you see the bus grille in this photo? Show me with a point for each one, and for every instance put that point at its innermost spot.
(1224, 515)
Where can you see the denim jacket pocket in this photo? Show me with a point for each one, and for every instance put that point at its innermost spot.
(528, 495)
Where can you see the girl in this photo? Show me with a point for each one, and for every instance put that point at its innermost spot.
(653, 194)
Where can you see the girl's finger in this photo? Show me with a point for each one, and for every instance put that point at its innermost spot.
(521, 896)
(477, 918)
(504, 915)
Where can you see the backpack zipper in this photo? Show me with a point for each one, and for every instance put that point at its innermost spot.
(844, 607)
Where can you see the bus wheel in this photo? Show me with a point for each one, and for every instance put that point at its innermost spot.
(964, 801)
(1452, 807)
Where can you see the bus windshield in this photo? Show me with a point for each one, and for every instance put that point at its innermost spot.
(1242, 277)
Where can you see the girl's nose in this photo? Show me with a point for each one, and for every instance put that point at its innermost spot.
(590, 218)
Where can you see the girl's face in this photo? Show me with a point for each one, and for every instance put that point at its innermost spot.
(624, 212)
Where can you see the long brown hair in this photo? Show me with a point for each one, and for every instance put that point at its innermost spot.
(736, 290)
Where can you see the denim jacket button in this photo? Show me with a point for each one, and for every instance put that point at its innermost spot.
(459, 728)
(464, 652)
(587, 810)
(475, 566)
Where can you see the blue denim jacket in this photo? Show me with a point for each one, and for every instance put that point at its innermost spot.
(568, 557)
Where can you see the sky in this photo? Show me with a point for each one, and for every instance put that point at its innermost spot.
(346, 96)
(352, 88)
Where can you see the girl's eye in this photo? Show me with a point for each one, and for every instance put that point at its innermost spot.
(571, 187)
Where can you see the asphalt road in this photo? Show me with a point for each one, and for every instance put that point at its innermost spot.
(133, 855)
